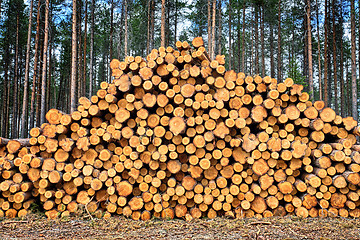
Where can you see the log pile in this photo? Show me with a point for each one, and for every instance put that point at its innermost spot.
(176, 135)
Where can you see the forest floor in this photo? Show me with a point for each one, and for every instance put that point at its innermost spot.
(36, 226)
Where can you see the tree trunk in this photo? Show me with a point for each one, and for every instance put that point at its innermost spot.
(91, 63)
(163, 23)
(38, 79)
(44, 66)
(73, 61)
(36, 56)
(60, 95)
(213, 26)
(209, 26)
(348, 90)
(293, 38)
(85, 47)
(14, 126)
(2, 108)
(167, 23)
(252, 44)
(326, 55)
(334, 58)
(256, 29)
(49, 92)
(19, 95)
(176, 20)
(305, 63)
(319, 53)
(78, 48)
(3, 102)
(279, 65)
(353, 63)
(111, 34)
(358, 42)
(272, 66)
(24, 112)
(120, 41)
(311, 82)
(126, 29)
(148, 28)
(220, 29)
(262, 41)
(243, 40)
(152, 24)
(7, 83)
(238, 67)
(104, 69)
(342, 98)
(111, 28)
(230, 38)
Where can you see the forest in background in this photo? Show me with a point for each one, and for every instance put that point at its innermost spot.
(52, 52)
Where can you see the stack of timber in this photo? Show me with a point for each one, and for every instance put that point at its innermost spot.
(176, 135)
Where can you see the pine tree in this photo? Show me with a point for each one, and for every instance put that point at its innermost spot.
(310, 66)
(44, 67)
(353, 63)
(279, 62)
(126, 30)
(220, 28)
(83, 93)
(213, 29)
(24, 111)
(36, 56)
(256, 30)
(326, 92)
(111, 30)
(319, 51)
(73, 61)
(149, 27)
(209, 26)
(163, 23)
(91, 61)
(15, 93)
(262, 32)
(342, 83)
(243, 39)
(334, 58)
(230, 37)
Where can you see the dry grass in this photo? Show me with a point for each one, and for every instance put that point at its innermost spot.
(36, 226)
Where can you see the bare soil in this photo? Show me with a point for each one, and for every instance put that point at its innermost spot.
(36, 226)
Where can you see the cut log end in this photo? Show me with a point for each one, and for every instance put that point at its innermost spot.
(177, 125)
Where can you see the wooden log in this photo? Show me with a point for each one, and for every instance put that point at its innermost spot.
(124, 188)
(176, 135)
(338, 200)
(292, 112)
(327, 115)
(250, 142)
(177, 125)
(258, 205)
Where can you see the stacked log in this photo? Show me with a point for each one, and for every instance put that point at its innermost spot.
(15, 188)
(176, 135)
